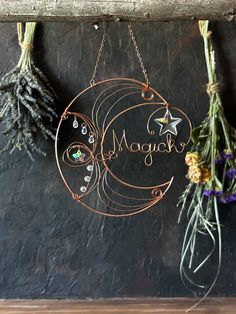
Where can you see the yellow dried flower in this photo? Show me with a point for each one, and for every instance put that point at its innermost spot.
(199, 174)
(192, 158)
(206, 175)
(195, 174)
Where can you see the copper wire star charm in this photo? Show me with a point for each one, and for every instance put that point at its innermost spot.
(168, 123)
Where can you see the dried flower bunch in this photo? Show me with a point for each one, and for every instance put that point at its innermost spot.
(27, 105)
(211, 173)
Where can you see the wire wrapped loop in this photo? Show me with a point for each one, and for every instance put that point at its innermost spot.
(146, 93)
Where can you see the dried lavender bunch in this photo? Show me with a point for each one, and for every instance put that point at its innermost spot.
(27, 104)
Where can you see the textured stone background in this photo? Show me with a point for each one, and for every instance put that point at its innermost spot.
(49, 246)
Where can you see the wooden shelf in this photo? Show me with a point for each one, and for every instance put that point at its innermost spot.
(118, 306)
(95, 10)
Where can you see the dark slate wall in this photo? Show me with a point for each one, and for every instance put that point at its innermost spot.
(51, 247)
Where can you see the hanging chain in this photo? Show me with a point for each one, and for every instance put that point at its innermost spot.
(104, 37)
(138, 54)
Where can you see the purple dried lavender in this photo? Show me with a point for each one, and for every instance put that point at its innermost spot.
(219, 161)
(208, 193)
(228, 198)
(231, 173)
(212, 192)
(227, 155)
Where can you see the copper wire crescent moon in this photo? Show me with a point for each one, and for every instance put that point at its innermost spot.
(115, 200)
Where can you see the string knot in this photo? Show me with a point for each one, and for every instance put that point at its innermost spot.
(26, 46)
(22, 43)
(213, 88)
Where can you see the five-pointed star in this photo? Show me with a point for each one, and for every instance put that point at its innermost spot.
(168, 123)
(78, 156)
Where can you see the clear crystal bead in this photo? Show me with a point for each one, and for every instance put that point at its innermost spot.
(83, 189)
(89, 167)
(87, 179)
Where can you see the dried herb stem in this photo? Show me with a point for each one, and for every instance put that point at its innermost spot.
(26, 44)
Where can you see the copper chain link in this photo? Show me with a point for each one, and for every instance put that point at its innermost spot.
(104, 37)
(138, 54)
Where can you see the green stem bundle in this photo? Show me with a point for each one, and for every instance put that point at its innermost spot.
(212, 178)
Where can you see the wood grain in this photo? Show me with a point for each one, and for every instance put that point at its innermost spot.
(93, 10)
(113, 306)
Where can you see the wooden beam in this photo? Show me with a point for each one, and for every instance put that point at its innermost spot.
(124, 10)
(118, 306)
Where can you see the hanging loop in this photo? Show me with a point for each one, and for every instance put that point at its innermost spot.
(146, 93)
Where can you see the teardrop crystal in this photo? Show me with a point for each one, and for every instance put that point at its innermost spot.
(91, 139)
(75, 124)
(84, 130)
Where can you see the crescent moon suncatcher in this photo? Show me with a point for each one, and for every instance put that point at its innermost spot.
(110, 164)
(102, 149)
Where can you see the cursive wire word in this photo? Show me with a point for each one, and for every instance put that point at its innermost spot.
(119, 144)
